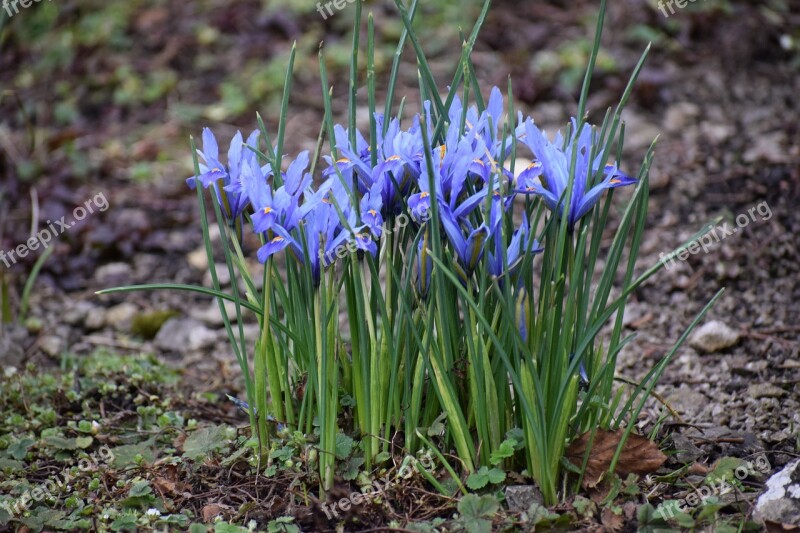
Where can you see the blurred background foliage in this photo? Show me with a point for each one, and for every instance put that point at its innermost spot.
(93, 89)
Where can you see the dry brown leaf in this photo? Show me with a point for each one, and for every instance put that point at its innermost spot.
(611, 520)
(698, 469)
(638, 456)
(165, 485)
(210, 511)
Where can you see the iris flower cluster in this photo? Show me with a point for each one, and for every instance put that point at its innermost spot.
(472, 190)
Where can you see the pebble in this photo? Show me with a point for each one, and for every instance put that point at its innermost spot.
(198, 258)
(211, 315)
(52, 345)
(680, 115)
(113, 274)
(11, 342)
(181, 334)
(685, 450)
(76, 313)
(121, 315)
(520, 497)
(713, 337)
(223, 276)
(765, 390)
(95, 319)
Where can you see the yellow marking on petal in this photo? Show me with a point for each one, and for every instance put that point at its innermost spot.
(278, 239)
(393, 158)
(615, 181)
(535, 164)
(423, 194)
(267, 210)
(442, 151)
(216, 169)
(343, 160)
(478, 161)
(373, 212)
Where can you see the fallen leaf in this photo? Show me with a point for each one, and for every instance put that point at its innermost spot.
(165, 485)
(210, 511)
(699, 469)
(639, 455)
(611, 520)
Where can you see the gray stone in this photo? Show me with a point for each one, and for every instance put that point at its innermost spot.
(76, 313)
(11, 342)
(713, 337)
(765, 390)
(181, 334)
(780, 501)
(198, 258)
(95, 319)
(211, 315)
(680, 115)
(685, 450)
(520, 497)
(113, 274)
(223, 276)
(52, 345)
(121, 315)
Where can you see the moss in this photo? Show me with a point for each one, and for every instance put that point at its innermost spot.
(146, 325)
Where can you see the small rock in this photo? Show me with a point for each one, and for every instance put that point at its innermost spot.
(76, 313)
(223, 276)
(520, 497)
(198, 259)
(780, 502)
(95, 319)
(121, 315)
(680, 115)
(11, 342)
(713, 336)
(180, 334)
(52, 345)
(685, 450)
(717, 133)
(113, 274)
(688, 401)
(211, 315)
(765, 390)
(769, 148)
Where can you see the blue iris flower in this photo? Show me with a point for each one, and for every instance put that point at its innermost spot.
(320, 230)
(469, 249)
(519, 246)
(225, 180)
(279, 206)
(548, 176)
